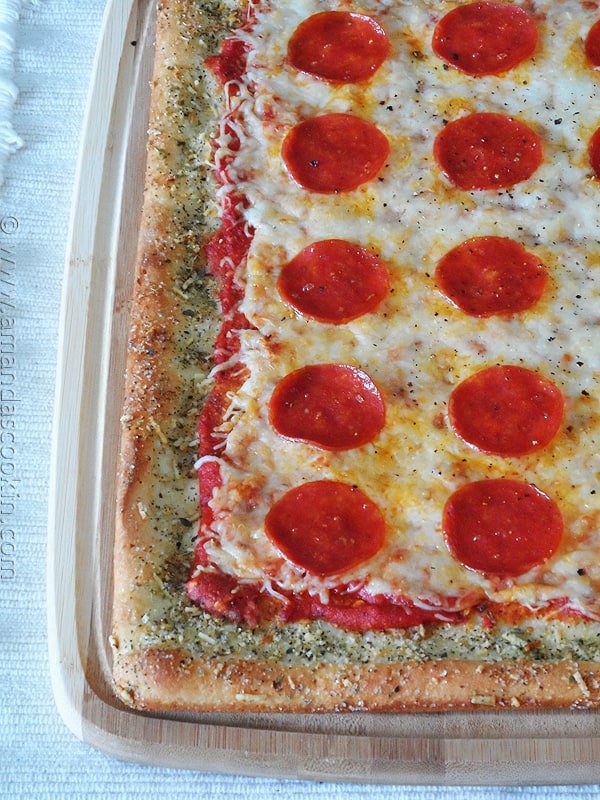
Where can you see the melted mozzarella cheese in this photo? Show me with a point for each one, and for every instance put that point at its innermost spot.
(417, 346)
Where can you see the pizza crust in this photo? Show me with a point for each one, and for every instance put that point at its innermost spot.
(192, 684)
(168, 654)
(157, 499)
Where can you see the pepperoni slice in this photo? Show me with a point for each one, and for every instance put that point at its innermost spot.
(506, 410)
(334, 153)
(501, 527)
(333, 406)
(326, 527)
(338, 46)
(485, 38)
(592, 45)
(334, 281)
(594, 153)
(491, 275)
(487, 151)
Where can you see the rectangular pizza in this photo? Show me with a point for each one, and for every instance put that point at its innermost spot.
(361, 433)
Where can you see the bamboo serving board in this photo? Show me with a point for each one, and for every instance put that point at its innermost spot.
(445, 749)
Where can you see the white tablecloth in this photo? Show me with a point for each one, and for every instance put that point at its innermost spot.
(46, 51)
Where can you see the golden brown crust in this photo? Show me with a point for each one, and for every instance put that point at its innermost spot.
(160, 407)
(196, 685)
(157, 499)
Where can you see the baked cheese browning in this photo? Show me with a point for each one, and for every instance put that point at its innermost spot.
(409, 207)
(455, 159)
(521, 642)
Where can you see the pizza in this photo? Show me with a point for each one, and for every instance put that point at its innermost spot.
(361, 432)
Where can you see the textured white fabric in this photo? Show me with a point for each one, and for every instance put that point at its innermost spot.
(9, 141)
(39, 758)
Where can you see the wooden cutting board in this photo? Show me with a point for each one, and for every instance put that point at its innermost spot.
(446, 749)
